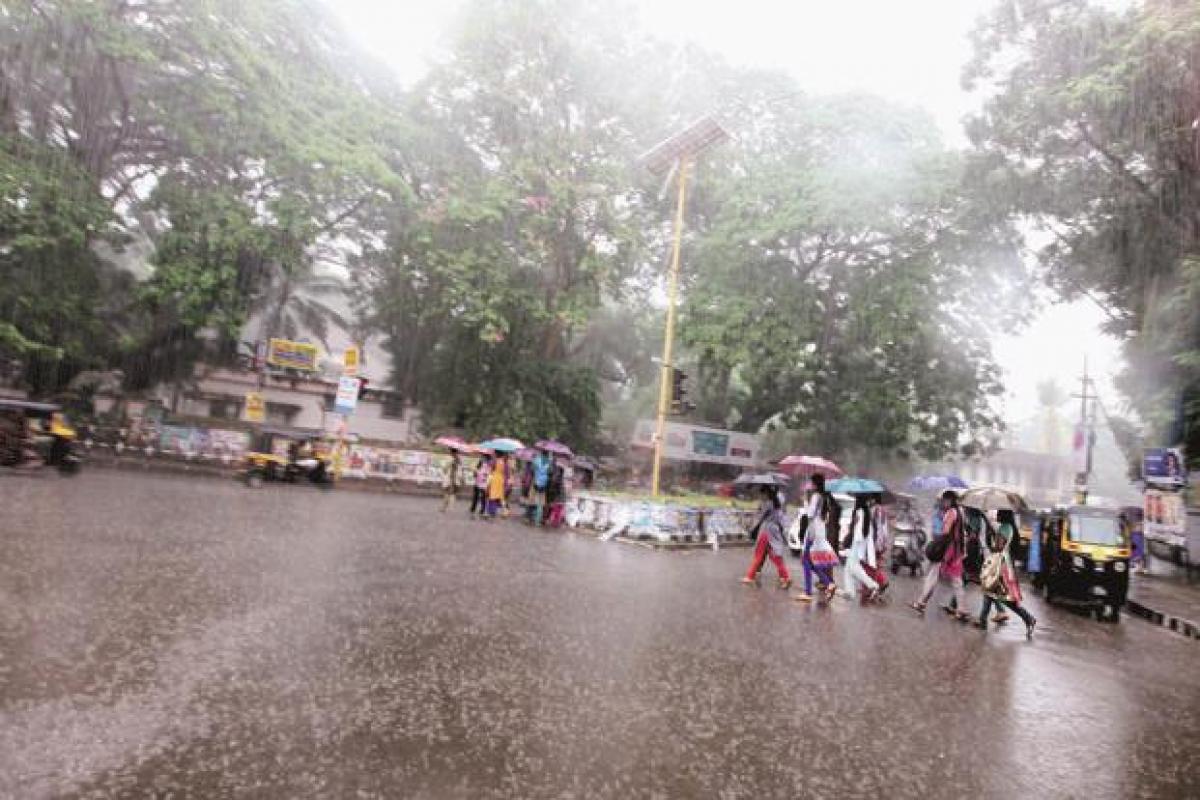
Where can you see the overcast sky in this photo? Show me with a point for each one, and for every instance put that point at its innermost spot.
(910, 51)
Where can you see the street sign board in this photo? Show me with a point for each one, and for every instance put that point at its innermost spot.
(700, 444)
(292, 355)
(350, 361)
(256, 407)
(346, 399)
(1165, 518)
(1164, 466)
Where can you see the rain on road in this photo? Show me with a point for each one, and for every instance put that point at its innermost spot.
(193, 637)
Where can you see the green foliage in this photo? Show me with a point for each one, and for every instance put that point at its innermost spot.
(844, 288)
(1092, 136)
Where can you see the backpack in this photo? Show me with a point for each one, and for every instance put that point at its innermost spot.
(935, 551)
(991, 577)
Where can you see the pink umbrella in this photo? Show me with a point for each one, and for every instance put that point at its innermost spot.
(454, 443)
(557, 448)
(807, 466)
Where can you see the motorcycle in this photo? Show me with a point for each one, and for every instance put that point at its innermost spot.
(908, 545)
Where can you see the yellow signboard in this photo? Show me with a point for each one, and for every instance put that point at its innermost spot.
(350, 361)
(256, 407)
(292, 355)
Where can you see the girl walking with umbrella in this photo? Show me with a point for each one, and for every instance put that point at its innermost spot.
(819, 557)
(862, 551)
(953, 550)
(770, 541)
(999, 578)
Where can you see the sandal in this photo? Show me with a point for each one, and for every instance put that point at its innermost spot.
(1029, 629)
(962, 616)
(831, 593)
(802, 598)
(785, 583)
(981, 625)
(750, 581)
(917, 607)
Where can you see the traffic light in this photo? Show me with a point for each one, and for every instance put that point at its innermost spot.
(679, 400)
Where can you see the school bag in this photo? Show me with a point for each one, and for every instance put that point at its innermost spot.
(935, 551)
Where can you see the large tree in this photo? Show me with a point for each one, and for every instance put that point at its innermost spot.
(235, 136)
(843, 287)
(1092, 135)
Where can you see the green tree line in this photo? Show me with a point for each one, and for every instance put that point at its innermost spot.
(844, 269)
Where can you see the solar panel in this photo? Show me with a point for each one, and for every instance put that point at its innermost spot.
(690, 142)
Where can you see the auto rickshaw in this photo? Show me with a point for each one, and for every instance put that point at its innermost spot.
(289, 455)
(1085, 559)
(35, 435)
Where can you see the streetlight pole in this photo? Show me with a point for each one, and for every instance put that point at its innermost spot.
(679, 151)
(668, 368)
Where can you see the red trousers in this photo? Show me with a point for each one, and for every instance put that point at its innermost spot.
(762, 551)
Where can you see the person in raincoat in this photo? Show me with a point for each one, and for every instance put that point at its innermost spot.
(999, 578)
(818, 556)
(862, 552)
(497, 486)
(769, 542)
(951, 566)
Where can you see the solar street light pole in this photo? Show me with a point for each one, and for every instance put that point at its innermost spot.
(664, 386)
(678, 152)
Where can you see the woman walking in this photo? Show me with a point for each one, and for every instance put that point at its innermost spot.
(999, 579)
(951, 566)
(818, 557)
(770, 542)
(479, 492)
(862, 552)
(450, 475)
(497, 486)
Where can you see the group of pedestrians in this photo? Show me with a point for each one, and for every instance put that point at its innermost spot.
(494, 481)
(866, 547)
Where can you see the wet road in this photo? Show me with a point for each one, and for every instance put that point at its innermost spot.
(168, 637)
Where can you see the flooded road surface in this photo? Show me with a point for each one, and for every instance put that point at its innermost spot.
(160, 636)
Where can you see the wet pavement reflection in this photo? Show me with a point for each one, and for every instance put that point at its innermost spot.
(164, 636)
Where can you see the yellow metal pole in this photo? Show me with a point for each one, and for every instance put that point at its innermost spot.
(664, 387)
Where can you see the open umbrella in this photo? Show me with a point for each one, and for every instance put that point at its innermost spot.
(762, 479)
(936, 483)
(526, 454)
(454, 443)
(855, 486)
(993, 498)
(502, 445)
(805, 466)
(557, 448)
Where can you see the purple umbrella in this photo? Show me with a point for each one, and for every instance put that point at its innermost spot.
(557, 448)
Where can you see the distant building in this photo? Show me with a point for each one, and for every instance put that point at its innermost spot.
(1043, 480)
(218, 394)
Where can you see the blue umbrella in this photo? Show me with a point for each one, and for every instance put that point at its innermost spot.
(936, 483)
(502, 445)
(855, 486)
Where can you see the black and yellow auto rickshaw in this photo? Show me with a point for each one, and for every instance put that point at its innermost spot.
(36, 434)
(289, 455)
(1085, 559)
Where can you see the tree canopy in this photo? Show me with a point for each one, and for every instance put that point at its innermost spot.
(492, 224)
(1092, 136)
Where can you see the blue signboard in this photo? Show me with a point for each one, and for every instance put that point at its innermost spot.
(1164, 466)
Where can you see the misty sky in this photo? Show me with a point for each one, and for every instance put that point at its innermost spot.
(909, 51)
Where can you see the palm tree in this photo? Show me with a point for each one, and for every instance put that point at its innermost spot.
(304, 303)
(1051, 397)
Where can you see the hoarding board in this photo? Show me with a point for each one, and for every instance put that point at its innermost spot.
(1164, 466)
(696, 443)
(287, 354)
